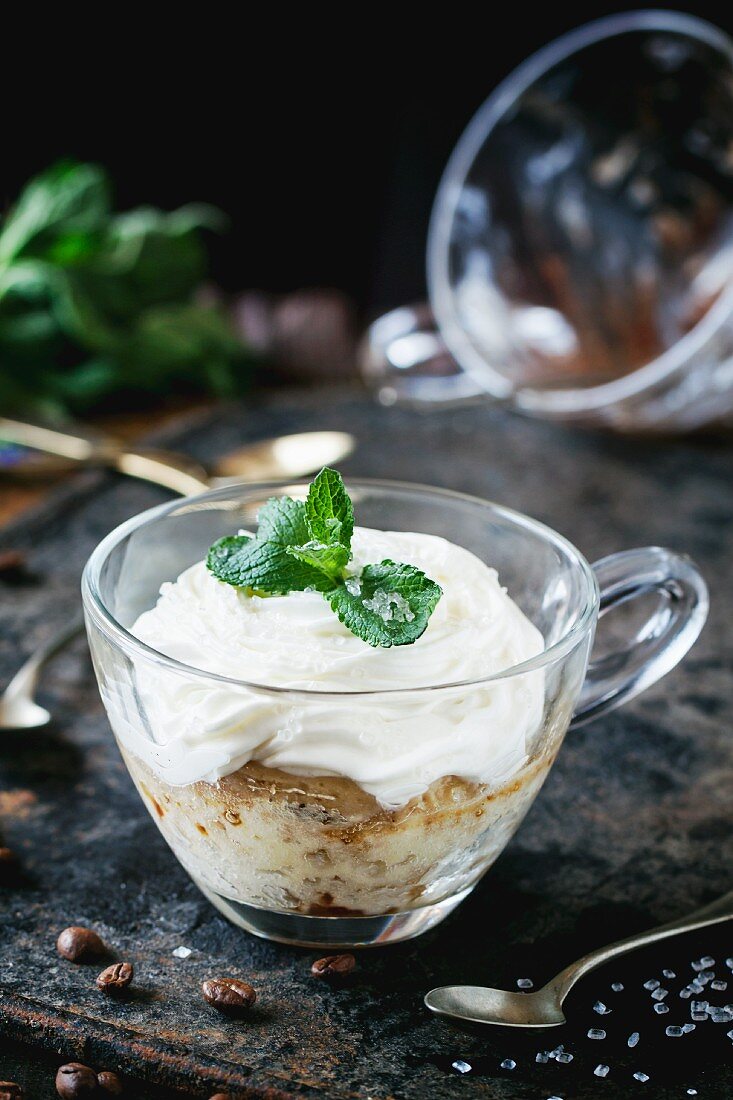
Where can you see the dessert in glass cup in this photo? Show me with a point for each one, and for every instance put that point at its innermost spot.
(338, 728)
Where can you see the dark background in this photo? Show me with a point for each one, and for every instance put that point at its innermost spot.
(323, 136)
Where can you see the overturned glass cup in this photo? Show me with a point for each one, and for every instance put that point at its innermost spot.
(580, 253)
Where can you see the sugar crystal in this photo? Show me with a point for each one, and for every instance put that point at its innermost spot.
(390, 607)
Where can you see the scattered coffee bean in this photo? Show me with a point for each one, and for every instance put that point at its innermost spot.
(115, 978)
(109, 1082)
(220, 1096)
(333, 966)
(9, 866)
(10, 1091)
(228, 995)
(75, 1080)
(79, 944)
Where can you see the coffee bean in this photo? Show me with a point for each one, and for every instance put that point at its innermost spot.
(228, 995)
(109, 1082)
(75, 1080)
(10, 1091)
(115, 978)
(220, 1096)
(79, 944)
(333, 966)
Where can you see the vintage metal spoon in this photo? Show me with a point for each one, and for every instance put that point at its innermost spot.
(18, 708)
(268, 459)
(478, 1004)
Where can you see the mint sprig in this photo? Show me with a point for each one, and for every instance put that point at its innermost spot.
(305, 546)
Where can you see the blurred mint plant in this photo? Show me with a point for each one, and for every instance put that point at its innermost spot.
(95, 305)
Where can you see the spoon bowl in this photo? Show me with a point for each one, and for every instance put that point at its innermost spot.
(285, 456)
(22, 713)
(477, 1004)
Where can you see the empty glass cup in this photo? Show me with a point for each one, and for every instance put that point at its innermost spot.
(580, 255)
(316, 859)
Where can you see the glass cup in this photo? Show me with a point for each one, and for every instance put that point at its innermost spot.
(317, 860)
(579, 253)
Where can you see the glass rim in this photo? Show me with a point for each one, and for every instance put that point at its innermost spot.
(97, 610)
(564, 401)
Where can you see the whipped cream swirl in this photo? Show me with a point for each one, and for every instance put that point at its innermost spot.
(395, 746)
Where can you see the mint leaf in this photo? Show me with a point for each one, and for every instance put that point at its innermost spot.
(264, 567)
(283, 520)
(331, 558)
(329, 510)
(388, 604)
(66, 200)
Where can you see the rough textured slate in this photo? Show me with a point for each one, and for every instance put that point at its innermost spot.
(632, 828)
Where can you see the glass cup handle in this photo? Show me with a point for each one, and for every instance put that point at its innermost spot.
(405, 359)
(663, 639)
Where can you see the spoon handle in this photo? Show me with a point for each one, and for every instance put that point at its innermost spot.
(167, 468)
(79, 445)
(717, 911)
(26, 678)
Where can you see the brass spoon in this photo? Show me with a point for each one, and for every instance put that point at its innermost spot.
(477, 1004)
(289, 456)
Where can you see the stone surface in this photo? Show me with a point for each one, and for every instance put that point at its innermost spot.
(632, 828)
